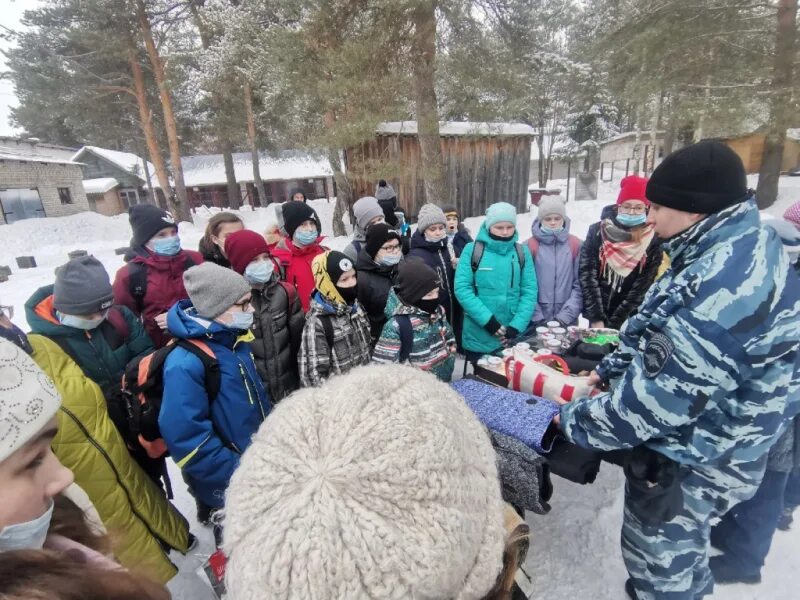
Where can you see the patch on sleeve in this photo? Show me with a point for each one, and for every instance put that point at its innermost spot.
(656, 354)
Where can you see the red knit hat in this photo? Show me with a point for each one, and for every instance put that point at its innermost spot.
(633, 188)
(242, 247)
(793, 214)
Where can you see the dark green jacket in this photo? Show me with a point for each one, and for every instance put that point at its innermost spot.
(94, 350)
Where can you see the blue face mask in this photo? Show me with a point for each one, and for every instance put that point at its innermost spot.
(259, 272)
(79, 322)
(167, 246)
(390, 259)
(631, 220)
(304, 238)
(26, 536)
(241, 320)
(551, 230)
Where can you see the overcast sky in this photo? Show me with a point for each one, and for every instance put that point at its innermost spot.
(10, 15)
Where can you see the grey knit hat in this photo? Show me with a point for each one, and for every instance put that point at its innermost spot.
(214, 289)
(381, 483)
(82, 287)
(551, 205)
(365, 209)
(385, 191)
(430, 214)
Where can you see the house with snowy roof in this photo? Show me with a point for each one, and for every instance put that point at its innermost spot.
(38, 180)
(281, 172)
(114, 181)
(484, 163)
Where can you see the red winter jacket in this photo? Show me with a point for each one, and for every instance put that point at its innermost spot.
(164, 287)
(296, 266)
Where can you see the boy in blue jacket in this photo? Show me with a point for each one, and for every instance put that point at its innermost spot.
(206, 436)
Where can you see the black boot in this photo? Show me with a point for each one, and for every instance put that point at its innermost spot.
(630, 590)
(786, 519)
(724, 574)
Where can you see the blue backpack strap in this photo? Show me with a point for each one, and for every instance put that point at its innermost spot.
(406, 336)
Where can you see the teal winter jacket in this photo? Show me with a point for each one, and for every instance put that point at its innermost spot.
(498, 288)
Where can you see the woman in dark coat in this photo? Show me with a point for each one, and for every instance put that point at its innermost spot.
(619, 259)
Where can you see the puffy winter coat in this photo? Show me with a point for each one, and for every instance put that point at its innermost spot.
(557, 275)
(601, 302)
(707, 372)
(206, 436)
(500, 287)
(437, 256)
(133, 509)
(102, 353)
(164, 287)
(278, 329)
(351, 341)
(374, 283)
(461, 239)
(296, 266)
(433, 339)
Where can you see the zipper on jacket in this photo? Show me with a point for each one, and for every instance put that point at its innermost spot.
(90, 339)
(111, 464)
(246, 381)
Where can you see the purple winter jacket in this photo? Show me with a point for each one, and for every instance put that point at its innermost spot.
(557, 274)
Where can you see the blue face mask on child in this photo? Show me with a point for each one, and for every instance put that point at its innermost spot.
(26, 536)
(79, 322)
(551, 230)
(390, 260)
(631, 220)
(304, 238)
(259, 272)
(167, 246)
(241, 320)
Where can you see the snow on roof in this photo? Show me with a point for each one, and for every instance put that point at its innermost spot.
(29, 153)
(100, 185)
(124, 160)
(631, 134)
(209, 169)
(793, 134)
(458, 128)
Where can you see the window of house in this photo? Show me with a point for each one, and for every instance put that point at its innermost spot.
(64, 195)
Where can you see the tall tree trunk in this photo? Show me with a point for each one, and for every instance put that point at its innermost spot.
(654, 135)
(701, 120)
(672, 123)
(251, 138)
(150, 138)
(637, 143)
(424, 57)
(181, 202)
(780, 111)
(344, 191)
(234, 195)
(540, 146)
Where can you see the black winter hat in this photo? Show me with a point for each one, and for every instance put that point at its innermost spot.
(82, 287)
(337, 265)
(297, 190)
(703, 178)
(414, 280)
(377, 235)
(147, 220)
(297, 213)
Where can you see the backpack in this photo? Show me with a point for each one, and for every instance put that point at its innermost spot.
(479, 248)
(137, 281)
(137, 404)
(574, 246)
(406, 336)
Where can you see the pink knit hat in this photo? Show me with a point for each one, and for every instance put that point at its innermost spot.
(793, 214)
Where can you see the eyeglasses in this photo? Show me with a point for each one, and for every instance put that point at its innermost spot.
(245, 306)
(632, 210)
(391, 248)
(8, 310)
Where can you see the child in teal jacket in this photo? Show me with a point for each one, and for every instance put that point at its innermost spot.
(499, 297)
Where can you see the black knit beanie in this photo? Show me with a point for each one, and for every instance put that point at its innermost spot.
(147, 220)
(377, 235)
(703, 178)
(414, 280)
(337, 265)
(297, 213)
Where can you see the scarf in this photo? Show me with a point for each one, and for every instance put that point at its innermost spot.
(621, 253)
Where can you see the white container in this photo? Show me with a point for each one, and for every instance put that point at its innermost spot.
(522, 347)
(541, 330)
(543, 352)
(553, 325)
(559, 331)
(554, 345)
(495, 361)
(508, 352)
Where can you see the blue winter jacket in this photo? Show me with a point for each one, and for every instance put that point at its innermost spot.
(708, 371)
(499, 288)
(557, 276)
(206, 438)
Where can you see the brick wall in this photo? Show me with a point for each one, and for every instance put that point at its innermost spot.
(47, 178)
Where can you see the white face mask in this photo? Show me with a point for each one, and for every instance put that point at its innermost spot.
(259, 272)
(26, 536)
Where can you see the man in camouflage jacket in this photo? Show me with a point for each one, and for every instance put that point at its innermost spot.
(707, 371)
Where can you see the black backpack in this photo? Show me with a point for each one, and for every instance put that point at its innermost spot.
(479, 248)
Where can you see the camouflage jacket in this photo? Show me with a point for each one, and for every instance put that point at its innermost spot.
(707, 371)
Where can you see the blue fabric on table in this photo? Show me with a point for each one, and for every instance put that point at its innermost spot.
(515, 414)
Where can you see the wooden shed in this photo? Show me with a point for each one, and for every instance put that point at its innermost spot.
(484, 163)
(750, 148)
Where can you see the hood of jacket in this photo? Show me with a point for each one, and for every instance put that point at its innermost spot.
(543, 238)
(496, 246)
(184, 323)
(395, 306)
(40, 314)
(418, 241)
(322, 305)
(609, 212)
(790, 236)
(365, 263)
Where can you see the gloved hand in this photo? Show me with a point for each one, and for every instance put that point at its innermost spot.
(494, 327)
(511, 333)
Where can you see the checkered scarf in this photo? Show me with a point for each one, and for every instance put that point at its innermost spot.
(793, 214)
(622, 252)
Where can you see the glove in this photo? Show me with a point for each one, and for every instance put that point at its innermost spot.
(511, 333)
(493, 326)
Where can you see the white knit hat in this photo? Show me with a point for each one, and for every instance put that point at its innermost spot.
(430, 214)
(379, 484)
(28, 399)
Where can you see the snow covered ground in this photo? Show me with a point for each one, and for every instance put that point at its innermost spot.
(574, 552)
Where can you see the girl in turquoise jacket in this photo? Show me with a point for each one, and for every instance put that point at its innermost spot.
(499, 297)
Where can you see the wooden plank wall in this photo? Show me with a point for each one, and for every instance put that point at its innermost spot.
(479, 170)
